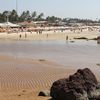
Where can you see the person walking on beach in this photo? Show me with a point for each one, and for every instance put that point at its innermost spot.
(67, 37)
(47, 35)
(20, 35)
(25, 35)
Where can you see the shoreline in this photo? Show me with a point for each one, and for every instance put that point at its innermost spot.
(23, 78)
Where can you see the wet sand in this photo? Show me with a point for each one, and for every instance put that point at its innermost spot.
(22, 79)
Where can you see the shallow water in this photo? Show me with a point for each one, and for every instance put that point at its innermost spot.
(68, 53)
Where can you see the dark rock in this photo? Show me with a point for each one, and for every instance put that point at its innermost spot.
(45, 93)
(98, 64)
(81, 38)
(93, 39)
(72, 41)
(98, 39)
(98, 98)
(80, 86)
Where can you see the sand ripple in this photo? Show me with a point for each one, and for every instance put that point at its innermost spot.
(18, 74)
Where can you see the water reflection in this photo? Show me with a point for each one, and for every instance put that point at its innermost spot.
(63, 52)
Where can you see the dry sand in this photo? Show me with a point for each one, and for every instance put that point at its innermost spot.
(48, 35)
(23, 78)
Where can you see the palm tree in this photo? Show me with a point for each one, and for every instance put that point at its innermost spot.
(5, 16)
(34, 14)
(40, 17)
(25, 16)
(13, 17)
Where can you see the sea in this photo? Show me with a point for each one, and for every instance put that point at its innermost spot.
(77, 53)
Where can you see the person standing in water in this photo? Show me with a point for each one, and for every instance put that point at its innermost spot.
(20, 35)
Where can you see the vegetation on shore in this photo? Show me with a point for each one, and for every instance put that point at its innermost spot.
(33, 16)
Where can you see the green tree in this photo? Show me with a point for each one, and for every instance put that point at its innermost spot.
(5, 16)
(34, 14)
(13, 17)
(25, 16)
(52, 19)
(28, 16)
(40, 17)
(22, 16)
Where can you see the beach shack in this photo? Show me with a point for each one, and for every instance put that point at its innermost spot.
(8, 27)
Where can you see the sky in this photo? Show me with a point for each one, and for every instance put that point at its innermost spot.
(87, 9)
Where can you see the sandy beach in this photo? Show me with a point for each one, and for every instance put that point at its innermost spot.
(23, 78)
(49, 50)
(48, 35)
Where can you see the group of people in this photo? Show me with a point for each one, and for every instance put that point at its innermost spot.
(20, 36)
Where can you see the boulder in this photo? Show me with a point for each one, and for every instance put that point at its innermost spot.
(45, 93)
(80, 86)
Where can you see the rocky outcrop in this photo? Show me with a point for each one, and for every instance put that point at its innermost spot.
(82, 85)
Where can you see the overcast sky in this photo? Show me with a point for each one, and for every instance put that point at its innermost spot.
(89, 9)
